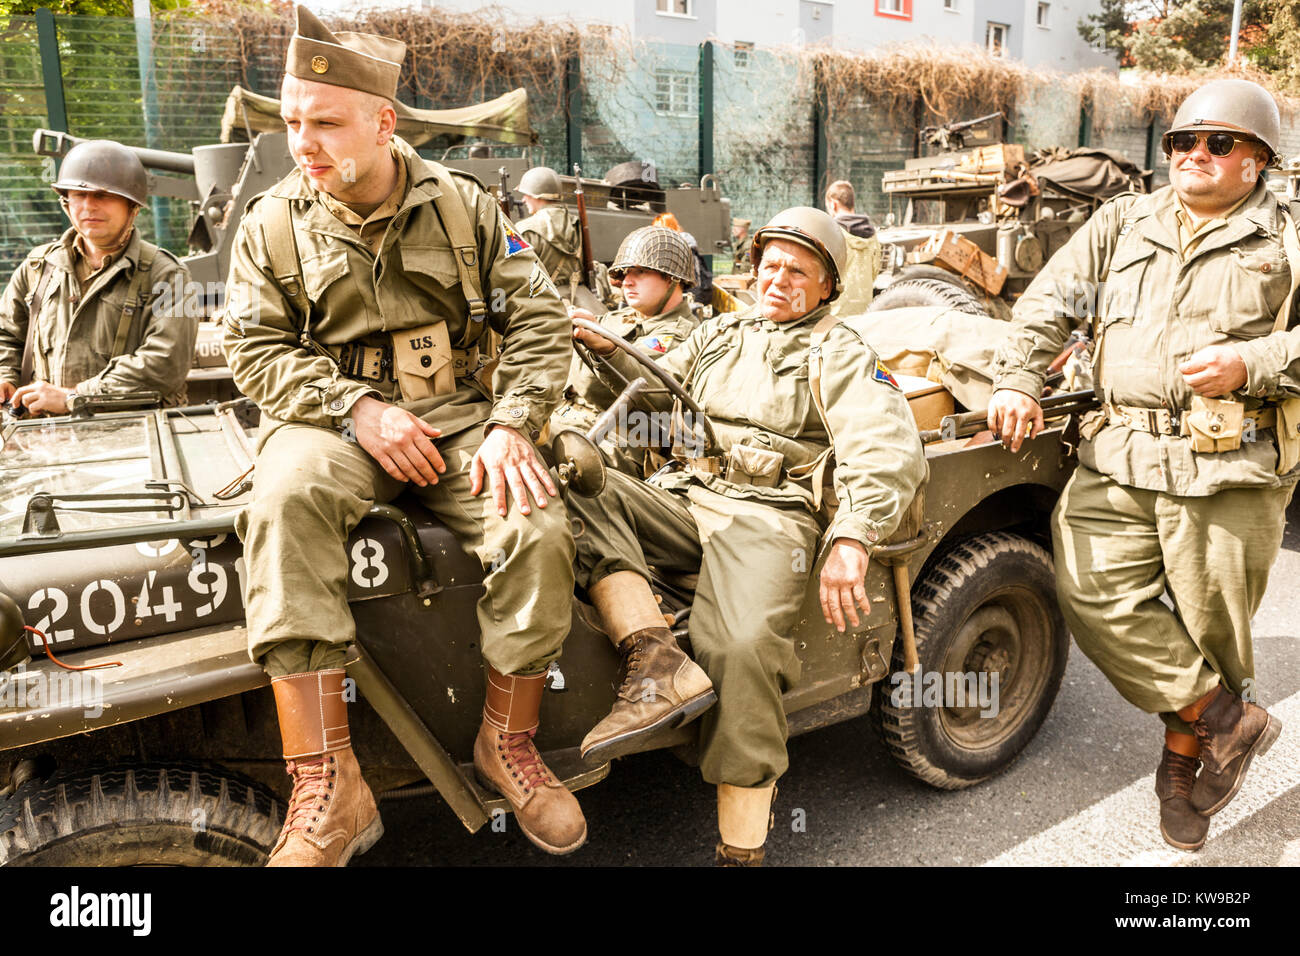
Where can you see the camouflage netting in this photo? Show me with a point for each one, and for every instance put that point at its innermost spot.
(640, 100)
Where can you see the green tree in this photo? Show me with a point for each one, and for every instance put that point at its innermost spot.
(1172, 35)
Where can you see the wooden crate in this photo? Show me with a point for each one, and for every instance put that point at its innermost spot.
(1000, 157)
(958, 254)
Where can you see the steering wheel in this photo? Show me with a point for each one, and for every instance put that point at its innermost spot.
(595, 362)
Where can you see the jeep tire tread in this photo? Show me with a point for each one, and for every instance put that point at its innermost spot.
(172, 814)
(989, 603)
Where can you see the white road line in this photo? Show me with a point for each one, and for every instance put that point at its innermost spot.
(1123, 828)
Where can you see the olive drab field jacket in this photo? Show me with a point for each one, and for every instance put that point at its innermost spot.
(655, 336)
(750, 376)
(358, 298)
(861, 268)
(76, 338)
(556, 237)
(1153, 310)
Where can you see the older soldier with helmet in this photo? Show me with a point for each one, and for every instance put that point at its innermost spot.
(1186, 470)
(746, 518)
(550, 229)
(656, 268)
(96, 310)
(358, 301)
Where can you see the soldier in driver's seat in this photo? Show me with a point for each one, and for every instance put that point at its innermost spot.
(746, 516)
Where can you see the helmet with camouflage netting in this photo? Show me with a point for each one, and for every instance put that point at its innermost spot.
(657, 248)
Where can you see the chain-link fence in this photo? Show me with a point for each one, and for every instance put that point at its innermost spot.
(776, 140)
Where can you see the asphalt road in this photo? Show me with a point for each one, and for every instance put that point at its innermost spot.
(1080, 794)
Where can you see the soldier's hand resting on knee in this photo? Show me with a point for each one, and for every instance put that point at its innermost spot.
(844, 583)
(1013, 417)
(508, 460)
(401, 442)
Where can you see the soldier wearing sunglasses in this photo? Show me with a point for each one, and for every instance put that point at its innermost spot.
(1183, 483)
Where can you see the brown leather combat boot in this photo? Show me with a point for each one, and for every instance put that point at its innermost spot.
(726, 855)
(506, 761)
(1180, 824)
(1232, 732)
(332, 814)
(661, 689)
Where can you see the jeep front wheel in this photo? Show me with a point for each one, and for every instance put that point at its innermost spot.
(992, 646)
(142, 814)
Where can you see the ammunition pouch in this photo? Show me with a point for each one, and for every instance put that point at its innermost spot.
(1288, 435)
(1215, 424)
(754, 465)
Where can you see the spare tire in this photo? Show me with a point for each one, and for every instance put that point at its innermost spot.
(925, 291)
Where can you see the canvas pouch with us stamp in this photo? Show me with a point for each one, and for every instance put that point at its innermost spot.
(1215, 424)
(423, 358)
(754, 465)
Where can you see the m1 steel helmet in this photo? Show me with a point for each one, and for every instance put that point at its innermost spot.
(811, 228)
(658, 248)
(1230, 106)
(540, 182)
(103, 166)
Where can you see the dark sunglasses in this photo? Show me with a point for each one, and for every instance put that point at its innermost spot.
(1219, 144)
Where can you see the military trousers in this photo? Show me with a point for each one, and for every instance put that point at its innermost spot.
(753, 562)
(311, 489)
(1120, 550)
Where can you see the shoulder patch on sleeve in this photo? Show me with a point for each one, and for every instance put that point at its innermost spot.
(515, 243)
(881, 374)
(660, 343)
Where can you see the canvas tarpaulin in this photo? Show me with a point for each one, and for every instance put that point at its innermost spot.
(502, 120)
(1096, 174)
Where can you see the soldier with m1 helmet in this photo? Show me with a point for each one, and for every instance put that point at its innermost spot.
(549, 228)
(95, 311)
(1186, 470)
(746, 516)
(656, 268)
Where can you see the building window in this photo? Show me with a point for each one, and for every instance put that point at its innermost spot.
(950, 5)
(895, 9)
(676, 93)
(1042, 15)
(675, 8)
(740, 52)
(995, 38)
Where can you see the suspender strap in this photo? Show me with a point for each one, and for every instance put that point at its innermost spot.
(26, 375)
(455, 219)
(817, 467)
(136, 296)
(282, 250)
(1290, 242)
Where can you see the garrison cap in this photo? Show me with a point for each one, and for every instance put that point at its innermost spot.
(358, 61)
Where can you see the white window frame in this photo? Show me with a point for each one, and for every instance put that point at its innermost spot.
(893, 8)
(688, 15)
(989, 27)
(682, 89)
(1043, 15)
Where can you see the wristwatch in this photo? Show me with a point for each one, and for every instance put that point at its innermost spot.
(76, 403)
